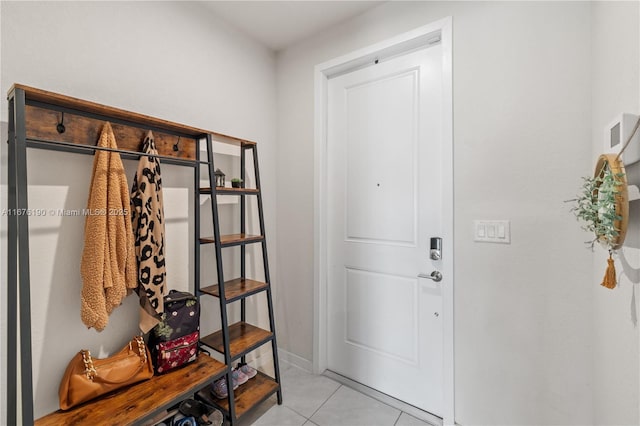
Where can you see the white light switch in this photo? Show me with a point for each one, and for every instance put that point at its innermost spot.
(492, 231)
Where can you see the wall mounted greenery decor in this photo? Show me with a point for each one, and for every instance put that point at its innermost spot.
(603, 205)
(603, 208)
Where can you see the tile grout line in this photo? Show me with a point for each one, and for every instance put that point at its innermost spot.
(298, 413)
(381, 397)
(325, 401)
(308, 419)
(399, 415)
(302, 415)
(321, 405)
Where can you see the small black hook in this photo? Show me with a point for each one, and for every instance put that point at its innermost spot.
(176, 148)
(60, 127)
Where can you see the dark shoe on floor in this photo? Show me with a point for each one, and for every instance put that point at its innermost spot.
(186, 421)
(196, 409)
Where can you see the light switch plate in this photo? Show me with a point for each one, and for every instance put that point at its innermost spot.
(492, 231)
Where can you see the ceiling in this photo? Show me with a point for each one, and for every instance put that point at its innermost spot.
(278, 24)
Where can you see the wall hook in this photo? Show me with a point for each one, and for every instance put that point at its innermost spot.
(60, 127)
(176, 146)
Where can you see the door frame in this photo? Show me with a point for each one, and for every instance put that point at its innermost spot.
(417, 38)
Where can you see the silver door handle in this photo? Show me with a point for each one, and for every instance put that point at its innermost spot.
(435, 276)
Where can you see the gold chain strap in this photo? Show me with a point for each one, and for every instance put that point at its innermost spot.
(91, 372)
(141, 350)
(89, 369)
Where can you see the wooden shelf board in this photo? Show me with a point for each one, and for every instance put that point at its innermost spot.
(236, 288)
(83, 132)
(230, 191)
(233, 239)
(247, 396)
(138, 402)
(244, 338)
(51, 98)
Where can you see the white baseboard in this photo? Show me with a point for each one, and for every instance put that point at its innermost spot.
(264, 361)
(295, 360)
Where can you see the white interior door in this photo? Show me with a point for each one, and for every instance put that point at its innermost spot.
(385, 202)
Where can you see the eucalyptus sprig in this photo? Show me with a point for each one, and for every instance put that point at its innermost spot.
(595, 206)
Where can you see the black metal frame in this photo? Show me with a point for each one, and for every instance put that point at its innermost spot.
(12, 275)
(220, 272)
(18, 274)
(243, 230)
(267, 279)
(89, 149)
(18, 279)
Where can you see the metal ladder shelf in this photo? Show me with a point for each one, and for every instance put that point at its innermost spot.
(235, 341)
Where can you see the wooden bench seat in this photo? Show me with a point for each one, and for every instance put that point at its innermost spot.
(140, 402)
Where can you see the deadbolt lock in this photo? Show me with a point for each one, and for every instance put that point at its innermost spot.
(435, 253)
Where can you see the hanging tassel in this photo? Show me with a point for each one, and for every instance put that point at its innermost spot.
(609, 280)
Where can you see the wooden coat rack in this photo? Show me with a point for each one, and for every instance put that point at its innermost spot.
(46, 120)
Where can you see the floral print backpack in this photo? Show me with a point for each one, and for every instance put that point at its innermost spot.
(174, 341)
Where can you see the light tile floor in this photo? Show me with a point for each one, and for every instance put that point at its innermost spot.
(310, 399)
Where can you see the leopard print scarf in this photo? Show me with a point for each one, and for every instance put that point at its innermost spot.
(148, 227)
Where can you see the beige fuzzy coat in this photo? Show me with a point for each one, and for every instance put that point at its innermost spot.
(108, 265)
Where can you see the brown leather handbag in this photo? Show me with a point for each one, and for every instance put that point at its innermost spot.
(87, 378)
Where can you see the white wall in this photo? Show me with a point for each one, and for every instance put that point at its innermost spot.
(525, 349)
(172, 60)
(521, 130)
(615, 69)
